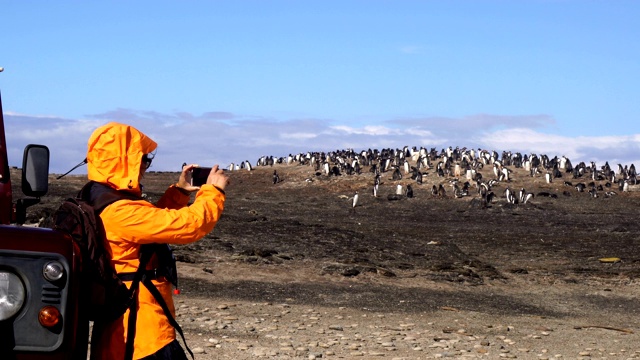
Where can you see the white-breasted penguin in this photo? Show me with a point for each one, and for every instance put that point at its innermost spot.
(505, 174)
(508, 194)
(354, 201)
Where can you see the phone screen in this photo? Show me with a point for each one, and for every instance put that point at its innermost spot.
(199, 175)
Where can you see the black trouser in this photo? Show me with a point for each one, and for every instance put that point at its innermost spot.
(171, 351)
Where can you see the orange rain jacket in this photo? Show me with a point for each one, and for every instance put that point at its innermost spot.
(114, 156)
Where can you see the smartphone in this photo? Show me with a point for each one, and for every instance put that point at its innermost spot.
(199, 175)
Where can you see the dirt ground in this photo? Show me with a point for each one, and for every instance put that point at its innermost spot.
(293, 271)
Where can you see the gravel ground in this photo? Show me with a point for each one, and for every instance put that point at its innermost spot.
(219, 327)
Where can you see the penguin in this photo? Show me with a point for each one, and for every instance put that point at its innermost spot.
(325, 168)
(386, 166)
(511, 199)
(456, 190)
(527, 196)
(522, 194)
(482, 187)
(276, 177)
(409, 191)
(580, 187)
(548, 178)
(459, 192)
(490, 195)
(507, 193)
(441, 191)
(496, 170)
(506, 172)
(593, 192)
(354, 201)
(357, 169)
(434, 191)
(397, 175)
(465, 186)
(399, 189)
(375, 190)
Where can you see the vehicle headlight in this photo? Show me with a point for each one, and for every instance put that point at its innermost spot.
(11, 294)
(53, 271)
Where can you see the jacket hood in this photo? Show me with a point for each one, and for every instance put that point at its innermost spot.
(114, 155)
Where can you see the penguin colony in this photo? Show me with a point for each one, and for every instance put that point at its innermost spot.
(458, 172)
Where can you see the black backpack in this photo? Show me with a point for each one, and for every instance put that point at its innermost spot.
(105, 296)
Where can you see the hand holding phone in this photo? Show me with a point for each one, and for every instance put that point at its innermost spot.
(199, 175)
(218, 178)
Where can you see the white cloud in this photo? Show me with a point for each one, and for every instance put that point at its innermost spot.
(298, 136)
(366, 130)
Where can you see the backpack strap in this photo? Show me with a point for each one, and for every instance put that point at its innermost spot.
(145, 256)
(156, 294)
(100, 195)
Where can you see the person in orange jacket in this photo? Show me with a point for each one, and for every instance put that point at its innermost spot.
(118, 156)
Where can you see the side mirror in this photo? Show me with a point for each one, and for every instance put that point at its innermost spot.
(35, 170)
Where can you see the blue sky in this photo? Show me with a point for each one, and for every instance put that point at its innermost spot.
(228, 81)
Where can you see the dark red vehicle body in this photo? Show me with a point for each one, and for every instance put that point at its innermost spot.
(25, 252)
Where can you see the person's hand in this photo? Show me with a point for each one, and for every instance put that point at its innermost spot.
(184, 180)
(218, 178)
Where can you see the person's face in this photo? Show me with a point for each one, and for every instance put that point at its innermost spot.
(145, 163)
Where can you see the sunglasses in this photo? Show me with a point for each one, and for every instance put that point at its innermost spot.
(146, 160)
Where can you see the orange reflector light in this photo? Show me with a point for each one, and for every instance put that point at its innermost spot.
(49, 316)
